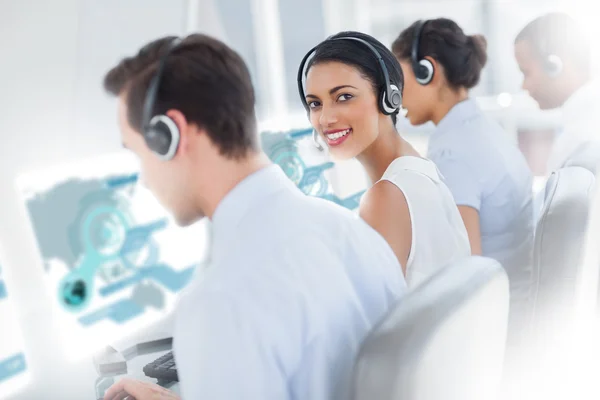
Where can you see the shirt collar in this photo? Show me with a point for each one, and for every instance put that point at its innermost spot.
(460, 113)
(246, 195)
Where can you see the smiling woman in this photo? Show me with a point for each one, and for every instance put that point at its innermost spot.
(351, 86)
(343, 107)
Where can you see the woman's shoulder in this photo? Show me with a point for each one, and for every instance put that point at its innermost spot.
(410, 168)
(383, 193)
(421, 183)
(407, 180)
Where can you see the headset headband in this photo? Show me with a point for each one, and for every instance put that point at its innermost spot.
(382, 67)
(416, 44)
(155, 83)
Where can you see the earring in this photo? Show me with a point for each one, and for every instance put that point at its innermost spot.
(315, 138)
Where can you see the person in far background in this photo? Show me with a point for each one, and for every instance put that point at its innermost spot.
(486, 173)
(554, 56)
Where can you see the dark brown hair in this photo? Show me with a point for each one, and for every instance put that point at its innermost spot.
(357, 55)
(462, 56)
(203, 78)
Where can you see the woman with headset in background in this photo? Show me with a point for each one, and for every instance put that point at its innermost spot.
(486, 173)
(353, 93)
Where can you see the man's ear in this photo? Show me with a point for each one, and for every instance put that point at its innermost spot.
(438, 72)
(184, 127)
(179, 119)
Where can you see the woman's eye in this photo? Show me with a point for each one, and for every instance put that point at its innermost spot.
(313, 104)
(345, 97)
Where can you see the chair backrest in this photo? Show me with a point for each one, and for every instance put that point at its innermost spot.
(586, 156)
(559, 245)
(444, 340)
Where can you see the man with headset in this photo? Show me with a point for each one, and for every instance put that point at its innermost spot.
(555, 58)
(296, 282)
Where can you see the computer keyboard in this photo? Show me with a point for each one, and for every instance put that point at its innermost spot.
(163, 368)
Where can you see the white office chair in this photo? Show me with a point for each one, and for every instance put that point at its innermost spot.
(565, 268)
(561, 234)
(586, 156)
(444, 340)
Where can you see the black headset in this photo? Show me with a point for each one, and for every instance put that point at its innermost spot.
(160, 131)
(391, 97)
(422, 67)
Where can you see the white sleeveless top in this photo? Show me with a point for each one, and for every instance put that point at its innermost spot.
(439, 235)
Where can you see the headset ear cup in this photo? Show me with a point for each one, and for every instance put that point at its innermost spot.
(553, 65)
(162, 137)
(425, 72)
(384, 106)
(396, 97)
(392, 101)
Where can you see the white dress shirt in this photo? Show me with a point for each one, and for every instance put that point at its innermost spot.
(581, 124)
(295, 285)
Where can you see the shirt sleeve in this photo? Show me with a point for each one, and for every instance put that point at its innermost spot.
(220, 355)
(460, 178)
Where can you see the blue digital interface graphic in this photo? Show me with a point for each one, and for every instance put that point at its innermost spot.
(3, 293)
(12, 359)
(12, 366)
(109, 255)
(299, 133)
(282, 149)
(351, 202)
(120, 181)
(145, 294)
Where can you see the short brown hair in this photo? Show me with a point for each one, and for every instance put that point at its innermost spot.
(203, 78)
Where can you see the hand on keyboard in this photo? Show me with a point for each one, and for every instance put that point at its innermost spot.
(131, 389)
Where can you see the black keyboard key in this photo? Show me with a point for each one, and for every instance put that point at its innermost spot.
(163, 368)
